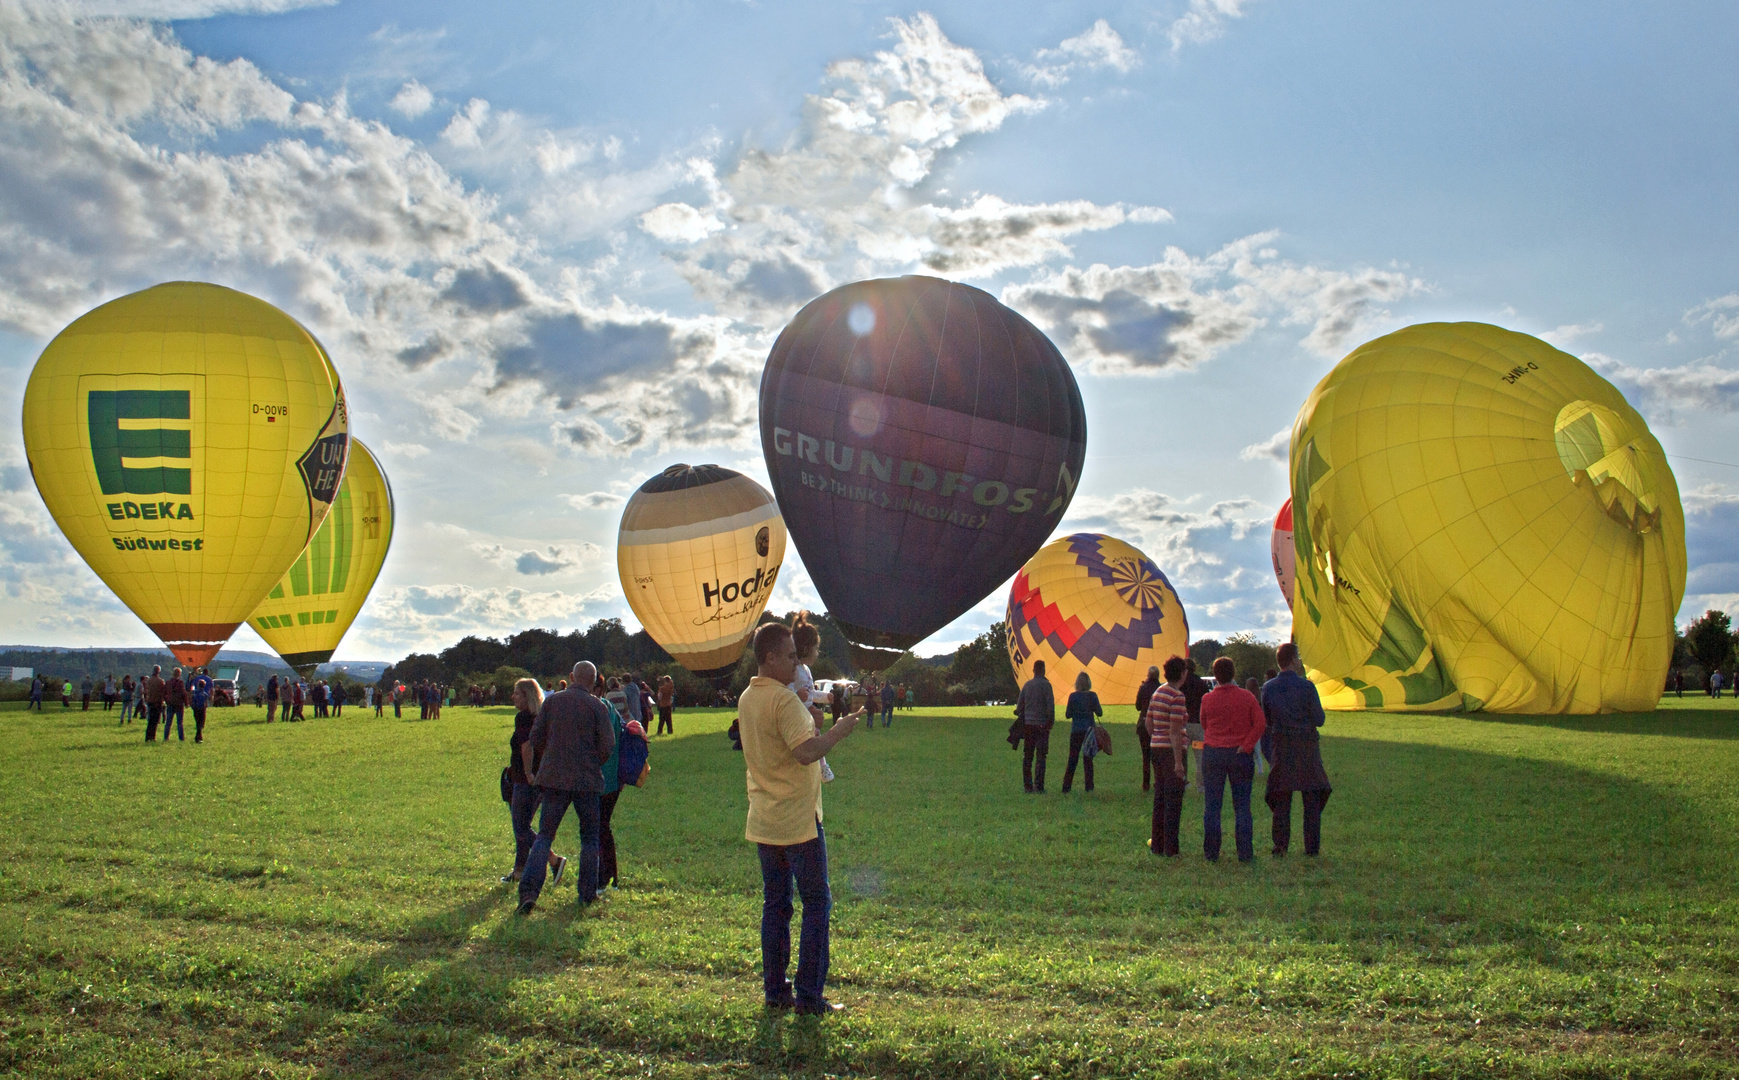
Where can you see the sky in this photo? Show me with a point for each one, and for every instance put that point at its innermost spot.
(550, 245)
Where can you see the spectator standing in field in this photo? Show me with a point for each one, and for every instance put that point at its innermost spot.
(889, 696)
(607, 798)
(153, 692)
(1716, 682)
(522, 802)
(1194, 689)
(85, 693)
(272, 692)
(66, 694)
(1293, 748)
(1679, 682)
(338, 698)
(175, 706)
(631, 696)
(108, 692)
(298, 698)
(126, 699)
(1037, 709)
(199, 699)
(570, 741)
(1232, 722)
(1083, 712)
(666, 706)
(783, 753)
(36, 688)
(806, 639)
(1168, 718)
(1144, 697)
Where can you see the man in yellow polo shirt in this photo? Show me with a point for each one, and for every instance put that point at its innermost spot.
(781, 749)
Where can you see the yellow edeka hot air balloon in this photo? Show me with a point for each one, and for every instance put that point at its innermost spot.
(1093, 603)
(698, 551)
(188, 440)
(1480, 521)
(307, 613)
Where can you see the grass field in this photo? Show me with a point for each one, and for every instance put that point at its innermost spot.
(1497, 897)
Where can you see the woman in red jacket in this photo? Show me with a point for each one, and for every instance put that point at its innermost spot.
(1232, 723)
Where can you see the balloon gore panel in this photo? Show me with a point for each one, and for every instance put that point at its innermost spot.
(923, 440)
(1093, 603)
(1481, 521)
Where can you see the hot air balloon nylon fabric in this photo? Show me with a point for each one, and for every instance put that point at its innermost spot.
(1481, 521)
(1280, 549)
(307, 613)
(188, 440)
(1093, 603)
(698, 552)
(922, 440)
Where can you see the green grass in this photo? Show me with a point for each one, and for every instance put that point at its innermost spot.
(1497, 897)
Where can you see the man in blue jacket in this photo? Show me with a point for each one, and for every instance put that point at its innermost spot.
(1294, 752)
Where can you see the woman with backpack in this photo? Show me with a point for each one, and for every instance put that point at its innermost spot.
(1083, 712)
(628, 758)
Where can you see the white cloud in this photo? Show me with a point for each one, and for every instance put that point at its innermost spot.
(595, 500)
(1660, 393)
(1182, 311)
(1274, 448)
(166, 10)
(409, 451)
(679, 223)
(1096, 47)
(1721, 313)
(1204, 21)
(413, 100)
(1564, 336)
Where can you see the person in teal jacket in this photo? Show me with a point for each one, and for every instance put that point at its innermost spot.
(607, 803)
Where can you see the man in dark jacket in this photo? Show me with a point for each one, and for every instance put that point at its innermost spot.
(570, 741)
(1294, 752)
(1037, 709)
(1195, 688)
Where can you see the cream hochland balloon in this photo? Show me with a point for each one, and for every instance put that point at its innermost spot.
(698, 551)
(1481, 521)
(189, 440)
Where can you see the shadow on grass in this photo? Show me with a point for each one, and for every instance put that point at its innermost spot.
(1689, 720)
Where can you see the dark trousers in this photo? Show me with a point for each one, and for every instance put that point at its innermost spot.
(1222, 765)
(1038, 747)
(805, 865)
(153, 714)
(1280, 802)
(1168, 789)
(521, 807)
(607, 839)
(172, 714)
(199, 723)
(1078, 739)
(555, 805)
(888, 714)
(86, 698)
(1146, 764)
(664, 722)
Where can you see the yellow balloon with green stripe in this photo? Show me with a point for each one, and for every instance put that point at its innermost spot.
(188, 440)
(308, 612)
(1481, 522)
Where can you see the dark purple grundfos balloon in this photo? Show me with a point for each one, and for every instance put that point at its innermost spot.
(923, 441)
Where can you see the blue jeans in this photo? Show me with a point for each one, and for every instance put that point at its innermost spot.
(555, 806)
(172, 714)
(806, 864)
(1221, 764)
(887, 715)
(521, 807)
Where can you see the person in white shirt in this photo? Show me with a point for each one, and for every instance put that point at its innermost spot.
(807, 639)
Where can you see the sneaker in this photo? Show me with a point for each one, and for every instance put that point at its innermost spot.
(508, 879)
(559, 863)
(826, 771)
(526, 908)
(823, 1007)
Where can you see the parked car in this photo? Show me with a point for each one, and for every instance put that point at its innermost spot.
(223, 692)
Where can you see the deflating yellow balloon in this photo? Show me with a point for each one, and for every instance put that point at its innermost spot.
(1481, 522)
(698, 551)
(188, 439)
(1093, 603)
(307, 613)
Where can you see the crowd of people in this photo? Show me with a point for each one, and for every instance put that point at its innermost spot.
(156, 699)
(1220, 729)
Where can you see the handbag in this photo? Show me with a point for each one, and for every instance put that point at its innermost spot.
(632, 766)
(506, 786)
(1102, 737)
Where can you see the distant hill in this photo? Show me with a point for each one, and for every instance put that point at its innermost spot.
(74, 664)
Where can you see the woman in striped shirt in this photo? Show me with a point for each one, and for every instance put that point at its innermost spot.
(1167, 716)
